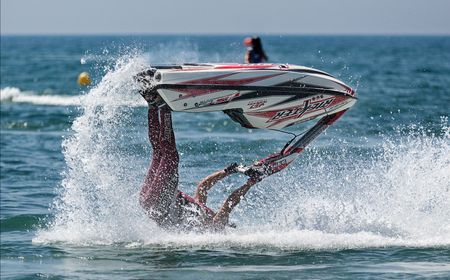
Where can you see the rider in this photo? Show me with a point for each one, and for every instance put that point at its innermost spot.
(160, 196)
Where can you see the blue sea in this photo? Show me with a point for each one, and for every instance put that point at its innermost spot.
(368, 199)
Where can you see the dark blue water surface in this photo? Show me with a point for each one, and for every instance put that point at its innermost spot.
(368, 199)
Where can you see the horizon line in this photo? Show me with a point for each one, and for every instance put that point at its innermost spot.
(271, 34)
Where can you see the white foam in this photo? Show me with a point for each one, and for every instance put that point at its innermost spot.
(15, 95)
(402, 194)
(9, 93)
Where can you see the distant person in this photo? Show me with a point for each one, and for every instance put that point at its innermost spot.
(255, 52)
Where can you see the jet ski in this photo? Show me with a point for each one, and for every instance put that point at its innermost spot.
(265, 96)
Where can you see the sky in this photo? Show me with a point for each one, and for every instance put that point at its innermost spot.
(422, 17)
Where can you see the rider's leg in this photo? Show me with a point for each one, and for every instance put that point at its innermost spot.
(161, 195)
(153, 134)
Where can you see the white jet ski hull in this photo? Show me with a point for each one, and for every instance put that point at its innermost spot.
(269, 96)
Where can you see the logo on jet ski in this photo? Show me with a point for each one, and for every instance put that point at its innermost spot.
(216, 101)
(297, 112)
(255, 104)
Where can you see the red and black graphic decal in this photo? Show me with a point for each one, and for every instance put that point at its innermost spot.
(308, 106)
(218, 80)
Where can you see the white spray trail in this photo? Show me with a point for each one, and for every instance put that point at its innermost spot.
(403, 193)
(98, 199)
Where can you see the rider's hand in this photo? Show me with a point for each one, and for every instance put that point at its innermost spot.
(254, 179)
(232, 168)
(253, 173)
(151, 97)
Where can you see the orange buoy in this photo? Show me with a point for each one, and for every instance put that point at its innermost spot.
(84, 79)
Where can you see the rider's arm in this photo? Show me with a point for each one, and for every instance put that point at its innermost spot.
(202, 189)
(221, 217)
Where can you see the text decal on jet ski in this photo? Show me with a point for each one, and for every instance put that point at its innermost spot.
(216, 101)
(297, 112)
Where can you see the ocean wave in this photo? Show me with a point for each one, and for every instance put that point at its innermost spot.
(21, 222)
(15, 95)
(244, 238)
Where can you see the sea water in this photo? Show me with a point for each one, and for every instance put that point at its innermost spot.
(370, 198)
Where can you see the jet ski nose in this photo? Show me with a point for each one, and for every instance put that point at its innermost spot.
(145, 75)
(146, 81)
(145, 78)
